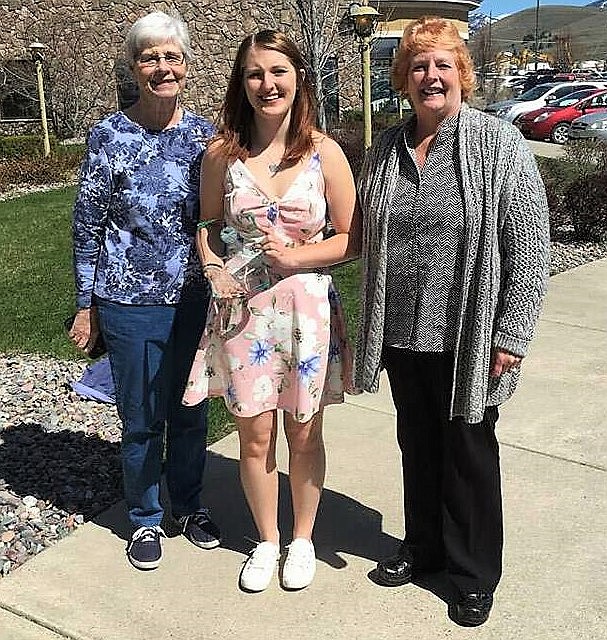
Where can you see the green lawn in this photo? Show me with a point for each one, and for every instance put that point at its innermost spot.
(37, 289)
(35, 273)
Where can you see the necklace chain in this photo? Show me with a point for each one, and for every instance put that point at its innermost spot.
(274, 166)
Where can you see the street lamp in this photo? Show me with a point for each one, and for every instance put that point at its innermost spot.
(364, 21)
(537, 27)
(37, 51)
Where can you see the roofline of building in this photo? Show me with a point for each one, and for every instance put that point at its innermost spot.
(471, 3)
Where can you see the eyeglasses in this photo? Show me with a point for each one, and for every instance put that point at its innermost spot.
(172, 58)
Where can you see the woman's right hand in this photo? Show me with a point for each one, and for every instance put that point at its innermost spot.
(223, 283)
(85, 329)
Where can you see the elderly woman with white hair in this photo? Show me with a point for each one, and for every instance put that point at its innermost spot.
(139, 283)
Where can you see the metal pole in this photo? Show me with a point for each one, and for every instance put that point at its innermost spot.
(366, 71)
(537, 23)
(47, 143)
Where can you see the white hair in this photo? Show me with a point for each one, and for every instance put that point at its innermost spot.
(156, 28)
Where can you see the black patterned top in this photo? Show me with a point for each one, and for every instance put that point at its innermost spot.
(425, 244)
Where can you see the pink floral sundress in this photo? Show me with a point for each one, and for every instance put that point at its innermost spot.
(283, 345)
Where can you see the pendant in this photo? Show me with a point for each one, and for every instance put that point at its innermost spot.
(274, 168)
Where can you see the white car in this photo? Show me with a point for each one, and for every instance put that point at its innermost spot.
(538, 96)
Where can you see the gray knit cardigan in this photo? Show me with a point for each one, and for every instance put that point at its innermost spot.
(505, 262)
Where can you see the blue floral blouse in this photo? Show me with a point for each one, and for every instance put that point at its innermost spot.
(136, 211)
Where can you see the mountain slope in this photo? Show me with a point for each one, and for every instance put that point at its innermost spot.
(587, 27)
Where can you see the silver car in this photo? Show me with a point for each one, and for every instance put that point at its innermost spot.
(591, 126)
(539, 96)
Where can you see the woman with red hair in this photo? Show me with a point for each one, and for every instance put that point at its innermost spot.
(455, 250)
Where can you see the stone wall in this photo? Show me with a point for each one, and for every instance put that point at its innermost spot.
(20, 127)
(85, 42)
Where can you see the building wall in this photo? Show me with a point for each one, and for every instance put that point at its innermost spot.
(85, 41)
(398, 13)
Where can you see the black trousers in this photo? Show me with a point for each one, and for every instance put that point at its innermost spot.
(451, 474)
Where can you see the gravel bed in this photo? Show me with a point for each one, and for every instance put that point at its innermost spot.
(17, 190)
(573, 253)
(60, 453)
(59, 456)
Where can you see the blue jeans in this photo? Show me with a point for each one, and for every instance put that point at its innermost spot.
(151, 349)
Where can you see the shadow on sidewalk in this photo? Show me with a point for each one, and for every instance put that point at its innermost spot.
(343, 524)
(81, 473)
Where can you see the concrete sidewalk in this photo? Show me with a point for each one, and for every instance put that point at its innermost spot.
(554, 456)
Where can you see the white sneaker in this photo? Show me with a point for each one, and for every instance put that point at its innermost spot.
(259, 568)
(300, 565)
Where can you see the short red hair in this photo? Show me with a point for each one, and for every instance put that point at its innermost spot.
(425, 34)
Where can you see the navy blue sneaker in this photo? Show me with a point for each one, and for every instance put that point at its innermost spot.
(200, 530)
(144, 550)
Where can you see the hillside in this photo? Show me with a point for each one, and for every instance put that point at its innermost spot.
(587, 27)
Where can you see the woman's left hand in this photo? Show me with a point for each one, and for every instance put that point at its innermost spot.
(502, 362)
(276, 252)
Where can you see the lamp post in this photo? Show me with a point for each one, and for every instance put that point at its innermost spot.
(537, 30)
(37, 51)
(364, 20)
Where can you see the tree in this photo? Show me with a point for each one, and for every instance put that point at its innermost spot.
(18, 93)
(76, 85)
(482, 53)
(563, 60)
(321, 25)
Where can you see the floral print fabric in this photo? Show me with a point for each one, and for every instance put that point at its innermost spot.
(283, 345)
(136, 211)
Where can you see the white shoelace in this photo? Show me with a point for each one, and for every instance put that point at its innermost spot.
(148, 534)
(263, 554)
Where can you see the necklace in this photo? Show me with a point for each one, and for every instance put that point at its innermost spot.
(274, 167)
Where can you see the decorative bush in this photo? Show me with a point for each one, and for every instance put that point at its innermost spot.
(588, 156)
(350, 138)
(351, 115)
(23, 146)
(58, 167)
(558, 175)
(586, 201)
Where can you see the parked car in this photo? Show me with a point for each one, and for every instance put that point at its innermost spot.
(537, 97)
(533, 79)
(552, 122)
(516, 87)
(592, 126)
(545, 77)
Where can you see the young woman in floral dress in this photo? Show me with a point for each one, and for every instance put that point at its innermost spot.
(275, 336)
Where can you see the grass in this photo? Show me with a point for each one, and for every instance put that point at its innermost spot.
(37, 288)
(347, 280)
(36, 281)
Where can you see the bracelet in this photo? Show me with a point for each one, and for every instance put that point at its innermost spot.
(203, 224)
(217, 265)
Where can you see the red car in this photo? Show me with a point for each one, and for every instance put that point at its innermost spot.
(552, 122)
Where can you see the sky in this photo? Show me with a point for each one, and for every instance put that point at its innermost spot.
(501, 7)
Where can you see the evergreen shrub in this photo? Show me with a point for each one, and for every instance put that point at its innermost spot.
(59, 167)
(586, 201)
(350, 139)
(29, 146)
